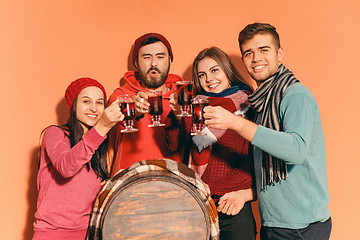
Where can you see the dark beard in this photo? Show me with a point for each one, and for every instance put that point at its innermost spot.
(153, 82)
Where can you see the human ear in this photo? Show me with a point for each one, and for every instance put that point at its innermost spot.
(280, 54)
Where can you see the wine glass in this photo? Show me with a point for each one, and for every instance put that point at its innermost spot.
(198, 116)
(183, 95)
(127, 106)
(156, 108)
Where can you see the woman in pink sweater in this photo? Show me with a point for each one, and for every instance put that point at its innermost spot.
(221, 156)
(73, 162)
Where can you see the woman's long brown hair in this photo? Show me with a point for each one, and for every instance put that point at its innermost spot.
(74, 131)
(225, 64)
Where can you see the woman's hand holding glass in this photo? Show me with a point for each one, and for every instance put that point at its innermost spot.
(111, 116)
(197, 108)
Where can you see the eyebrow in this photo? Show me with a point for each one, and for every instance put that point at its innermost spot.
(157, 54)
(102, 98)
(262, 47)
(217, 65)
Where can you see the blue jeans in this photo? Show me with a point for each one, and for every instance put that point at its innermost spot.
(315, 231)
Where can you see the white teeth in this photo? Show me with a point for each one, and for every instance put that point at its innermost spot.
(259, 67)
(212, 86)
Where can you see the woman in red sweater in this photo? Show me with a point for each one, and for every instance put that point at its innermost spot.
(220, 157)
(73, 162)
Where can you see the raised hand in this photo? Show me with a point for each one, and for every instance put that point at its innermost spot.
(141, 104)
(111, 116)
(174, 104)
(219, 118)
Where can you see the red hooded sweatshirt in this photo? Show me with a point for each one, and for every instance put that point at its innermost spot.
(147, 143)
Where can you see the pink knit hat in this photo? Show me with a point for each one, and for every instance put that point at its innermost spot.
(139, 41)
(76, 86)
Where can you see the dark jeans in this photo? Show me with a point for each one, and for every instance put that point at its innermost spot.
(315, 231)
(239, 227)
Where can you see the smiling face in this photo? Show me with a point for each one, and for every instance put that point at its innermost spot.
(90, 106)
(211, 77)
(261, 57)
(153, 64)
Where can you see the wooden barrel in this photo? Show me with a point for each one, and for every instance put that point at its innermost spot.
(154, 199)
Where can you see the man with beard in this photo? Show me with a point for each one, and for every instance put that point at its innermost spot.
(152, 56)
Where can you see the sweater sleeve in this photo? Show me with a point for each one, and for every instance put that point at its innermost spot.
(177, 132)
(292, 143)
(68, 161)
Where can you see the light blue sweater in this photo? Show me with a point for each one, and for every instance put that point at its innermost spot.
(303, 197)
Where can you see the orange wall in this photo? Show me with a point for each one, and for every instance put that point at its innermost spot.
(46, 44)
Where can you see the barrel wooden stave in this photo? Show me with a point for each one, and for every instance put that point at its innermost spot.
(155, 205)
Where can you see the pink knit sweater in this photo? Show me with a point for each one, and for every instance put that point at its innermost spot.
(66, 188)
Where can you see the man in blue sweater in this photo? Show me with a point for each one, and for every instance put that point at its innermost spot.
(288, 140)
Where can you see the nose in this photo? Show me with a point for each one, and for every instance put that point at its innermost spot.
(210, 77)
(256, 57)
(153, 62)
(93, 107)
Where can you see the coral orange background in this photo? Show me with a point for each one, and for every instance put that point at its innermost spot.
(44, 45)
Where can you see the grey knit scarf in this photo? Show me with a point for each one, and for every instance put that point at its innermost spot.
(267, 99)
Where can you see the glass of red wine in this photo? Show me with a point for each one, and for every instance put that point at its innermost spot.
(156, 108)
(198, 116)
(127, 106)
(183, 96)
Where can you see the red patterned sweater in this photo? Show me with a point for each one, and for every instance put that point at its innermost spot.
(228, 165)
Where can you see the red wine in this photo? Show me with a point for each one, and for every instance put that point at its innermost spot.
(128, 109)
(156, 107)
(184, 93)
(198, 112)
